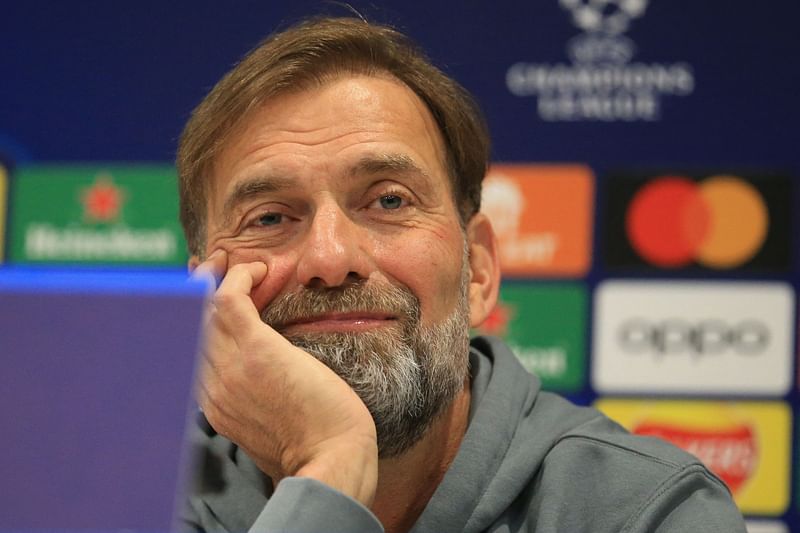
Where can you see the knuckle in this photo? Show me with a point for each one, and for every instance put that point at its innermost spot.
(238, 269)
(224, 300)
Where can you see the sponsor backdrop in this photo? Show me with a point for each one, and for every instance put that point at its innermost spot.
(96, 214)
(3, 208)
(645, 187)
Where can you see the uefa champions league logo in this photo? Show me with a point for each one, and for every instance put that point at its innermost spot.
(603, 82)
(607, 16)
(603, 23)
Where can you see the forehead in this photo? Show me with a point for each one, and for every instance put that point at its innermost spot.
(336, 123)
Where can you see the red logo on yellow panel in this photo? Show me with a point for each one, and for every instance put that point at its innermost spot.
(542, 215)
(747, 444)
(730, 452)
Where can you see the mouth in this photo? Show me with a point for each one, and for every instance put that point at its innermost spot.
(338, 323)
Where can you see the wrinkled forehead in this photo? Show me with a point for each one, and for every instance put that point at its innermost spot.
(389, 103)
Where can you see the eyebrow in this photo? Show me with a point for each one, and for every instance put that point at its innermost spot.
(253, 187)
(391, 163)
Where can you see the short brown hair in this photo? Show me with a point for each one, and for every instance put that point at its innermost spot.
(305, 56)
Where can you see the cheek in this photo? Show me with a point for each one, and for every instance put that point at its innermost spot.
(430, 268)
(280, 271)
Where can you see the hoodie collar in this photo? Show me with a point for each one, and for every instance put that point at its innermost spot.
(502, 394)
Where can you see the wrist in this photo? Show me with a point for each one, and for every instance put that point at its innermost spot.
(349, 466)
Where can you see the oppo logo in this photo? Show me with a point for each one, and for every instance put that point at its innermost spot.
(706, 337)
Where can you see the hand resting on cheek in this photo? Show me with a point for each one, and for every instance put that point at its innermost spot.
(251, 377)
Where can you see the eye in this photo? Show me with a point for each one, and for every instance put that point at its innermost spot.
(270, 219)
(390, 201)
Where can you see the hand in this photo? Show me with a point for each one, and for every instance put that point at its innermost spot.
(289, 412)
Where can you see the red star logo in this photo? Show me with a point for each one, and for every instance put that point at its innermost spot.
(497, 321)
(102, 201)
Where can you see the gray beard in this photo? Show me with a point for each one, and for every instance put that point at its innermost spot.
(406, 374)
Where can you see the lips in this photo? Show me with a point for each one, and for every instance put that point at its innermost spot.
(338, 322)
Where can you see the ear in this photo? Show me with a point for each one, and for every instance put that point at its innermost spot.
(193, 263)
(484, 265)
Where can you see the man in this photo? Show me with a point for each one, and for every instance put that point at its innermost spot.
(332, 180)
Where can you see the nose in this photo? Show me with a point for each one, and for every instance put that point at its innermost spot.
(334, 250)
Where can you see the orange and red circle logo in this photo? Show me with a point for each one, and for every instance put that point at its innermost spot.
(719, 222)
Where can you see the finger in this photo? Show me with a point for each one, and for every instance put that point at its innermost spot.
(234, 305)
(218, 344)
(213, 267)
(212, 271)
(211, 392)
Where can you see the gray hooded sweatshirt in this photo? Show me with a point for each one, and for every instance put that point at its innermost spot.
(529, 462)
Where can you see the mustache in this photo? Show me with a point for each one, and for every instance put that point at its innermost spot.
(358, 296)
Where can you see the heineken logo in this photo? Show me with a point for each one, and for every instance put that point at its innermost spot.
(48, 242)
(102, 201)
(123, 214)
(3, 210)
(544, 325)
(497, 321)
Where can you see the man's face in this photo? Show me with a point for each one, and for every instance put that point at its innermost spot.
(342, 191)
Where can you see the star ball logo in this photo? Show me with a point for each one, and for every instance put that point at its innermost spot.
(716, 221)
(608, 16)
(602, 83)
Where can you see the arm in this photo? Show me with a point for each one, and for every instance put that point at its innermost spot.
(299, 505)
(305, 505)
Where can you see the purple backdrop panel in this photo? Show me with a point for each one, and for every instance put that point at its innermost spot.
(94, 390)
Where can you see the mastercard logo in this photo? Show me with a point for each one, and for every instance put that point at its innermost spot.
(720, 222)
